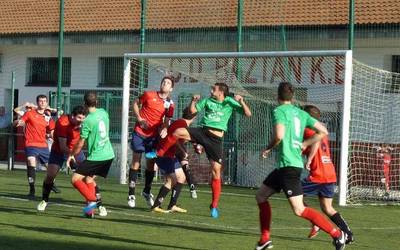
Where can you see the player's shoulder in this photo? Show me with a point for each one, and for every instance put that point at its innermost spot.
(63, 120)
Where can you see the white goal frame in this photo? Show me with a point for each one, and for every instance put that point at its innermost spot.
(348, 55)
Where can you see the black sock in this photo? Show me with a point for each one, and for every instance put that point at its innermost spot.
(176, 191)
(341, 223)
(31, 173)
(149, 176)
(132, 181)
(188, 175)
(98, 196)
(46, 190)
(161, 196)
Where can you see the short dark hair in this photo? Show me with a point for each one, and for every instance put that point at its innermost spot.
(41, 96)
(187, 115)
(223, 87)
(168, 78)
(90, 99)
(313, 111)
(79, 110)
(285, 91)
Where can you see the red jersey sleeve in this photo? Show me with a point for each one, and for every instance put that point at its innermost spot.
(62, 127)
(51, 126)
(308, 132)
(26, 116)
(143, 98)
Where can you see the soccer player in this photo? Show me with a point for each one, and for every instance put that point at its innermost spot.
(384, 153)
(153, 111)
(95, 130)
(218, 109)
(289, 123)
(66, 134)
(184, 163)
(170, 167)
(322, 177)
(37, 127)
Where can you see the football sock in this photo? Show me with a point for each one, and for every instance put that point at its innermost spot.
(46, 190)
(175, 194)
(188, 175)
(31, 173)
(216, 192)
(98, 196)
(132, 180)
(318, 219)
(265, 220)
(341, 223)
(149, 176)
(85, 190)
(161, 196)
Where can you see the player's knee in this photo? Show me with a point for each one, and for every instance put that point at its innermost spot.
(328, 210)
(298, 211)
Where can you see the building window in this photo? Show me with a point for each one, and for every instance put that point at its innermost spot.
(42, 71)
(111, 71)
(395, 87)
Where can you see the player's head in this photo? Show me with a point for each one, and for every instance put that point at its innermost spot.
(313, 111)
(90, 99)
(220, 90)
(188, 116)
(78, 114)
(41, 101)
(285, 92)
(167, 84)
(2, 110)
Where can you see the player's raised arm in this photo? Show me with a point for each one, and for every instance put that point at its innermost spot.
(193, 103)
(246, 109)
(321, 131)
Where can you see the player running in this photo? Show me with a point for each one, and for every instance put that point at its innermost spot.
(289, 123)
(66, 134)
(321, 180)
(218, 109)
(153, 111)
(95, 130)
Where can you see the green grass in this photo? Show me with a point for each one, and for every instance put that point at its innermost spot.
(62, 226)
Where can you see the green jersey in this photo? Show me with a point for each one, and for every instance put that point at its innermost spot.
(217, 113)
(95, 130)
(295, 120)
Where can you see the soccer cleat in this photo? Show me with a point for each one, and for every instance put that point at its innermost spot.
(55, 189)
(160, 210)
(340, 242)
(265, 245)
(349, 239)
(102, 211)
(90, 206)
(131, 201)
(150, 155)
(42, 206)
(177, 209)
(314, 231)
(193, 194)
(149, 198)
(214, 212)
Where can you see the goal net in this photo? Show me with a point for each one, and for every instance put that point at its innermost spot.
(319, 77)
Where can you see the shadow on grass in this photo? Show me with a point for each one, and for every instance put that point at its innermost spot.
(17, 244)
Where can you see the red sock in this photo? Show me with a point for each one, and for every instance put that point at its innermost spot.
(92, 189)
(84, 190)
(216, 191)
(265, 221)
(319, 220)
(166, 144)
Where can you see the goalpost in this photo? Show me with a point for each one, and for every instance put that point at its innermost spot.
(322, 78)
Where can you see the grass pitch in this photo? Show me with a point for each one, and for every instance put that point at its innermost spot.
(62, 226)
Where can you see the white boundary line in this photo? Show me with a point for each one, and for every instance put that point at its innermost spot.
(252, 229)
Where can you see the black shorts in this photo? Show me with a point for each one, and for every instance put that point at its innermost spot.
(286, 179)
(91, 168)
(212, 144)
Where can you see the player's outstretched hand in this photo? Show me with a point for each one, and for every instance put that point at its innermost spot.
(195, 98)
(265, 153)
(238, 98)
